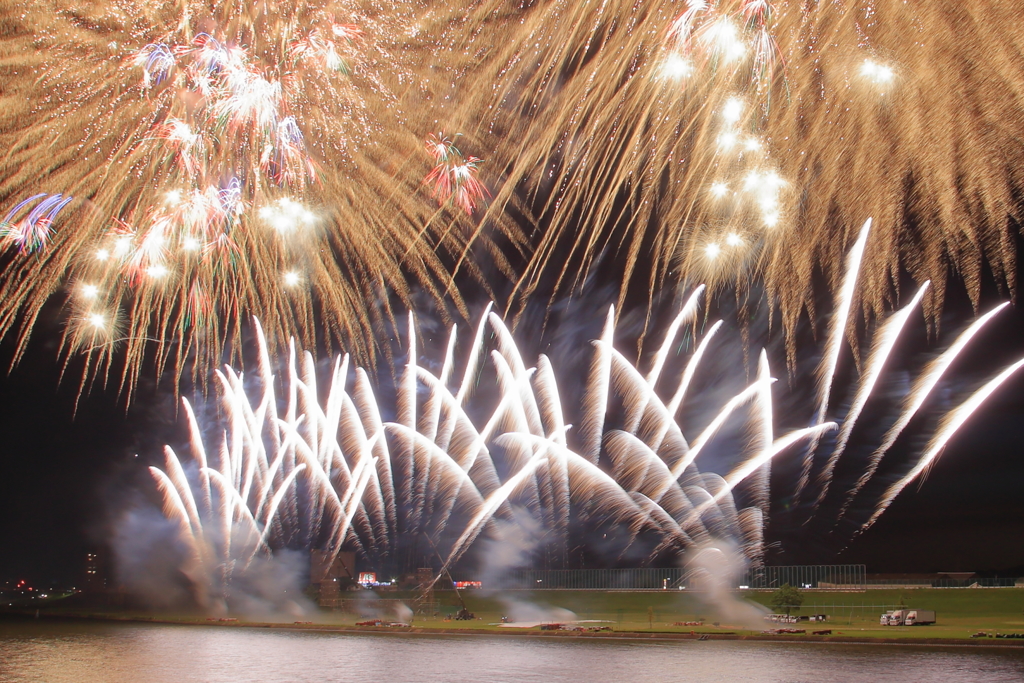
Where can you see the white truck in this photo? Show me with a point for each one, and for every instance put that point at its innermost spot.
(907, 617)
(919, 617)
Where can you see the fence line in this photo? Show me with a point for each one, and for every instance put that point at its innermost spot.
(838, 576)
(943, 583)
(843, 577)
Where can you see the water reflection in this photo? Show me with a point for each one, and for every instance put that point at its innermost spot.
(84, 652)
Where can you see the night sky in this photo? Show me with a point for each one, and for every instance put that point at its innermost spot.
(66, 472)
(67, 475)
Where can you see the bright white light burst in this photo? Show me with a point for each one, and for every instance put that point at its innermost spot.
(879, 73)
(285, 215)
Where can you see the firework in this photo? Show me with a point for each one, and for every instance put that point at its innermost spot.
(702, 141)
(224, 162)
(31, 230)
(714, 140)
(329, 472)
(454, 179)
(323, 474)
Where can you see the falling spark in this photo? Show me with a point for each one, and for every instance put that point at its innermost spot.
(923, 387)
(837, 332)
(947, 429)
(329, 468)
(885, 341)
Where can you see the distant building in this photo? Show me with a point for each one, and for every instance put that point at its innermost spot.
(99, 586)
(96, 573)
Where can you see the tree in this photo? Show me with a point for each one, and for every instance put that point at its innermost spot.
(786, 598)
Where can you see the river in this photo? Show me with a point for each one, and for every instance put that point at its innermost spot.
(85, 652)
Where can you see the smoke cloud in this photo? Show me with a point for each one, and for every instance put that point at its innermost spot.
(714, 571)
(158, 571)
(511, 545)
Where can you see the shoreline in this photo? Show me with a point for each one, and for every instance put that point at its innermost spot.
(532, 633)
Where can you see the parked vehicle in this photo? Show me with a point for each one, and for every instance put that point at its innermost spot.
(907, 617)
(893, 617)
(782, 618)
(919, 617)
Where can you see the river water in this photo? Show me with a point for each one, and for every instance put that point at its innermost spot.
(83, 652)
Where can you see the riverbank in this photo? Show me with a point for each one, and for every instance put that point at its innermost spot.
(851, 617)
(697, 634)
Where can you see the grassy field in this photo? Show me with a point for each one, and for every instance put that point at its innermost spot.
(960, 612)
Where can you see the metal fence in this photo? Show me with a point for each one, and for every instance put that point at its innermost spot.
(593, 579)
(838, 576)
(945, 583)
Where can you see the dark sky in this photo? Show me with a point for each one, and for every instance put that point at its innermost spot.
(65, 475)
(64, 472)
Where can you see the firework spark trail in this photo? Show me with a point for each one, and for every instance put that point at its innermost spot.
(594, 480)
(31, 232)
(652, 106)
(649, 476)
(349, 507)
(780, 445)
(763, 425)
(491, 504)
(884, 342)
(435, 404)
(270, 160)
(347, 497)
(520, 375)
(684, 383)
(461, 424)
(486, 480)
(174, 508)
(407, 417)
(258, 165)
(947, 429)
(705, 437)
(636, 391)
(365, 446)
(674, 534)
(336, 475)
(276, 501)
(198, 451)
(550, 405)
(928, 380)
(636, 473)
(518, 417)
(837, 334)
(687, 313)
(596, 400)
(709, 141)
(372, 424)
